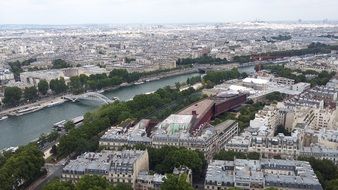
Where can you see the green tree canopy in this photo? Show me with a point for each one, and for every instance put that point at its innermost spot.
(58, 85)
(176, 182)
(12, 96)
(93, 182)
(218, 77)
(23, 165)
(30, 93)
(87, 182)
(43, 87)
(59, 64)
(332, 185)
(59, 185)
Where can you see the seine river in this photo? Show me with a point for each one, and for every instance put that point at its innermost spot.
(20, 130)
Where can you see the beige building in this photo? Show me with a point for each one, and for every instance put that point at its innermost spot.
(34, 77)
(117, 167)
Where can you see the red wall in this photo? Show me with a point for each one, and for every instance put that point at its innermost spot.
(229, 104)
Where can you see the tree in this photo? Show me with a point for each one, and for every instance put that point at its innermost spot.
(69, 125)
(229, 155)
(59, 64)
(177, 182)
(58, 85)
(93, 182)
(325, 170)
(75, 85)
(253, 155)
(275, 96)
(30, 93)
(53, 150)
(178, 85)
(12, 96)
(205, 59)
(281, 129)
(59, 185)
(163, 160)
(122, 186)
(332, 185)
(23, 166)
(218, 77)
(43, 87)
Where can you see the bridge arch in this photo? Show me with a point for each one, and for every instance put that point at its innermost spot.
(93, 96)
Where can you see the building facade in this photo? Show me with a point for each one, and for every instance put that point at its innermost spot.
(117, 167)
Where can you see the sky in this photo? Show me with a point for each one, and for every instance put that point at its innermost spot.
(162, 11)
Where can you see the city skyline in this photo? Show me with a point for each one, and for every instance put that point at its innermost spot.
(162, 11)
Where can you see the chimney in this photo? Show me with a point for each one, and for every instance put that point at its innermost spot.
(194, 113)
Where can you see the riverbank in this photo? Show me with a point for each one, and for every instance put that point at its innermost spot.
(38, 105)
(56, 100)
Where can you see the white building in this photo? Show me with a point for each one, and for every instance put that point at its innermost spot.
(261, 174)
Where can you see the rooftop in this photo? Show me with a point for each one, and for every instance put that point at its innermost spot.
(104, 162)
(198, 108)
(254, 171)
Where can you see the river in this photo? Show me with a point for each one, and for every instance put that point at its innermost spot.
(20, 130)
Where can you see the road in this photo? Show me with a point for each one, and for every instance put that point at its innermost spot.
(53, 171)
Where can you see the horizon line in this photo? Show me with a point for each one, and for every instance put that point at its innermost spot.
(300, 21)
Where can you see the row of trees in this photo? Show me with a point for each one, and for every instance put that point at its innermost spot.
(205, 59)
(216, 77)
(93, 182)
(194, 80)
(78, 84)
(14, 95)
(313, 48)
(21, 168)
(230, 155)
(281, 37)
(280, 70)
(59, 64)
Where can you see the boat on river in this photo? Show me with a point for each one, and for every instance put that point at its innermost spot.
(26, 110)
(3, 117)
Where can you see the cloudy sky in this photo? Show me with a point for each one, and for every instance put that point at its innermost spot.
(162, 11)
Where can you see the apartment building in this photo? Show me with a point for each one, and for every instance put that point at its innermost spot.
(283, 80)
(119, 166)
(173, 131)
(146, 181)
(261, 174)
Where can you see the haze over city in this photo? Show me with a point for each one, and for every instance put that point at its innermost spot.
(162, 11)
(168, 94)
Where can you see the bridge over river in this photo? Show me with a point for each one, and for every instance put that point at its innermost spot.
(91, 96)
